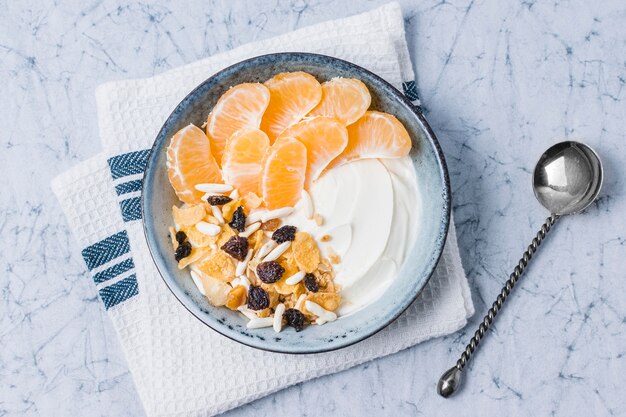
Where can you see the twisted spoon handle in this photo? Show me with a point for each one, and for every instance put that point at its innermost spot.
(449, 381)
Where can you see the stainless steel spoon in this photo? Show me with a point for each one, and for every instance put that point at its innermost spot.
(567, 179)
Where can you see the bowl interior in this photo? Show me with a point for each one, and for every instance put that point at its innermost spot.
(433, 191)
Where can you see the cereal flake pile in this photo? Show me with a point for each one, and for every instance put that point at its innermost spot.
(245, 258)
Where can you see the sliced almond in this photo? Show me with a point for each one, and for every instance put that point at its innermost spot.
(277, 251)
(208, 228)
(260, 323)
(266, 248)
(307, 204)
(250, 229)
(243, 265)
(278, 318)
(212, 188)
(295, 278)
(217, 213)
(276, 214)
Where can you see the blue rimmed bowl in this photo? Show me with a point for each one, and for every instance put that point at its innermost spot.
(433, 188)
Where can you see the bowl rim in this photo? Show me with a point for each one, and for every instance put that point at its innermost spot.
(180, 295)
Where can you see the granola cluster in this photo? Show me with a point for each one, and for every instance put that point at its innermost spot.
(241, 256)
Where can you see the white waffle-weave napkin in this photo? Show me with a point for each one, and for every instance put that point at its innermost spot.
(180, 368)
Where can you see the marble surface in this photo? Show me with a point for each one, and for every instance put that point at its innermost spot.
(500, 81)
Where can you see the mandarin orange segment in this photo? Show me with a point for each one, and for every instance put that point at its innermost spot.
(284, 171)
(375, 135)
(346, 99)
(292, 96)
(190, 162)
(324, 137)
(240, 107)
(242, 162)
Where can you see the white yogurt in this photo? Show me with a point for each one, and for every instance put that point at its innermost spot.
(368, 207)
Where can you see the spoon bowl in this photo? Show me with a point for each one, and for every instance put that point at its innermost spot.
(567, 178)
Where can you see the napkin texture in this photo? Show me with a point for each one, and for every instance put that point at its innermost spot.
(179, 366)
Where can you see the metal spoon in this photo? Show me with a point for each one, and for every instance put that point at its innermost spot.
(567, 179)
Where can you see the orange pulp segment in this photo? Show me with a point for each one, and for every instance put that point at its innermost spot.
(324, 137)
(284, 171)
(242, 162)
(292, 96)
(241, 106)
(375, 135)
(346, 99)
(190, 162)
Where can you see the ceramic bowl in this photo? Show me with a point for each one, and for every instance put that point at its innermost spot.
(433, 189)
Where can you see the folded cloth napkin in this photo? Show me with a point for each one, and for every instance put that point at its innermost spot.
(180, 367)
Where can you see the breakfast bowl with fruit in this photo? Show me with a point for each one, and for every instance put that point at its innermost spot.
(296, 202)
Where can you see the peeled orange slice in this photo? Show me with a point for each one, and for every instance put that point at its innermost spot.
(375, 135)
(346, 99)
(190, 162)
(241, 106)
(242, 162)
(324, 137)
(292, 96)
(284, 169)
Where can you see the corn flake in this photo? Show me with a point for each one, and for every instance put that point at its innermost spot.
(305, 252)
(216, 291)
(219, 266)
(274, 297)
(196, 254)
(226, 234)
(256, 240)
(236, 297)
(251, 201)
(188, 216)
(196, 237)
(282, 287)
(329, 300)
(229, 208)
(173, 237)
(333, 256)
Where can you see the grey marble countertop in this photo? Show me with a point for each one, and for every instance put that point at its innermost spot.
(499, 81)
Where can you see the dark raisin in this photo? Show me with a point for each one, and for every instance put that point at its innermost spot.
(182, 251)
(218, 200)
(258, 298)
(269, 272)
(181, 236)
(294, 318)
(237, 247)
(310, 282)
(238, 221)
(285, 233)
